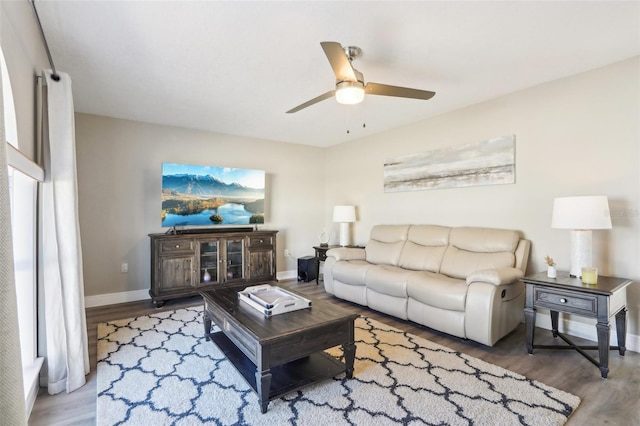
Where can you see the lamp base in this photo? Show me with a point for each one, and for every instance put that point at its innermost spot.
(344, 234)
(580, 251)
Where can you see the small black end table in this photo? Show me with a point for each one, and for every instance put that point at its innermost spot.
(321, 256)
(567, 294)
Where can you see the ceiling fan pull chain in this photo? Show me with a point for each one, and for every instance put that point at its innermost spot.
(348, 118)
(364, 116)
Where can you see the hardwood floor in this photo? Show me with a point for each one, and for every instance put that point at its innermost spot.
(612, 401)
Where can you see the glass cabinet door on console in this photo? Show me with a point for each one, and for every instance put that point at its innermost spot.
(209, 262)
(235, 259)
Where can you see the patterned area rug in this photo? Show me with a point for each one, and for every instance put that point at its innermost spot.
(159, 370)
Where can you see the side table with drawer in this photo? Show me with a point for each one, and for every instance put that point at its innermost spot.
(567, 294)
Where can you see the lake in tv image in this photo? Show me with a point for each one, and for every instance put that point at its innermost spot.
(211, 195)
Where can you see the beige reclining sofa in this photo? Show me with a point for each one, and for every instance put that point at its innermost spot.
(461, 281)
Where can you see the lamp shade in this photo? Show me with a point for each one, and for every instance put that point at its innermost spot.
(344, 214)
(590, 212)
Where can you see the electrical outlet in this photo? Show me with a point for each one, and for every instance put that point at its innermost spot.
(287, 253)
(124, 268)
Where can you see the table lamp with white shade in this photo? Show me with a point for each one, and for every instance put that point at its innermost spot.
(344, 215)
(581, 215)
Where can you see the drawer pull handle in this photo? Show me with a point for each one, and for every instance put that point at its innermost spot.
(563, 300)
(177, 245)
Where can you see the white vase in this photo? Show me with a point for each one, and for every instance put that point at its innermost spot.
(207, 276)
(551, 272)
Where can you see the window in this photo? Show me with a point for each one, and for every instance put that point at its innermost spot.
(24, 175)
(23, 193)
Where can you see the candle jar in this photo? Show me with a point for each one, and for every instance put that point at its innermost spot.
(590, 276)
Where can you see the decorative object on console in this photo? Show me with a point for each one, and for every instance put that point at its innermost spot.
(490, 162)
(344, 215)
(581, 215)
(551, 267)
(324, 239)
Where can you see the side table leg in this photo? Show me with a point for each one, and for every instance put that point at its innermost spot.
(604, 332)
(349, 350)
(317, 268)
(263, 381)
(530, 323)
(554, 323)
(621, 330)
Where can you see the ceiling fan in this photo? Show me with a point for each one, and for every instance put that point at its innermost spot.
(350, 86)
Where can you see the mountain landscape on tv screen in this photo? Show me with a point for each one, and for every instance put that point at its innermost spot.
(207, 186)
(190, 199)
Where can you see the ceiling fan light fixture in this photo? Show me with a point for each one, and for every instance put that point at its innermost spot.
(349, 92)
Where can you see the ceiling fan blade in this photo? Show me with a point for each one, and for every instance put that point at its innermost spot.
(339, 62)
(315, 100)
(400, 92)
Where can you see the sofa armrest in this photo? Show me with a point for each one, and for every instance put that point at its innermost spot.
(497, 276)
(347, 253)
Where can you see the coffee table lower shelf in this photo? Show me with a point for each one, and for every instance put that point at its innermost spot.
(287, 377)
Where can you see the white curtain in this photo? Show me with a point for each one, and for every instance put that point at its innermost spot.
(65, 321)
(12, 404)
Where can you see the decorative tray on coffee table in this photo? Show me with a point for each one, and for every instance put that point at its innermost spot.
(271, 300)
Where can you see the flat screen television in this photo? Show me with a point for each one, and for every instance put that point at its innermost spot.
(196, 195)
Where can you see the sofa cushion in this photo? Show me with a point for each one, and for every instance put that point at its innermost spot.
(429, 235)
(385, 244)
(484, 240)
(472, 249)
(351, 272)
(458, 263)
(387, 279)
(437, 290)
(421, 258)
(424, 248)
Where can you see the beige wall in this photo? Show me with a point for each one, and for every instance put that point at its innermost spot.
(119, 179)
(575, 136)
(26, 58)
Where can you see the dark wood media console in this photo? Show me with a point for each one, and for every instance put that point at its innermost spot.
(186, 263)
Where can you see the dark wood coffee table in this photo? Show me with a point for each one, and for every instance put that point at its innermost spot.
(282, 353)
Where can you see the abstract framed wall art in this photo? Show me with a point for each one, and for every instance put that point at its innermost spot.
(489, 162)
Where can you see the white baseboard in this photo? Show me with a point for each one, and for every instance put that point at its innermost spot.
(114, 298)
(132, 296)
(287, 275)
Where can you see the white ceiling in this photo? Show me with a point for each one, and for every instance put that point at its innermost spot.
(235, 67)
